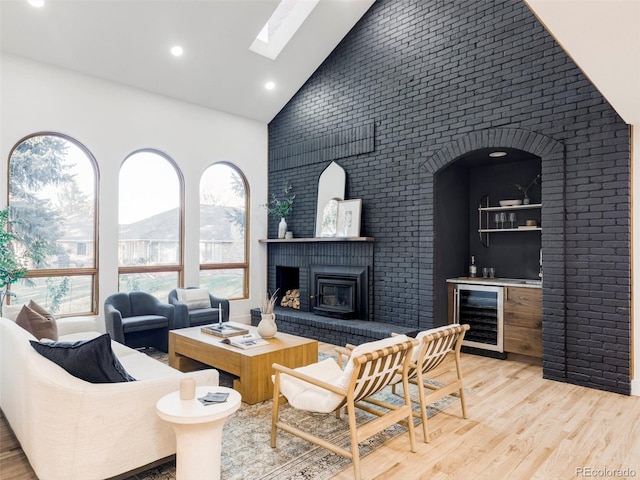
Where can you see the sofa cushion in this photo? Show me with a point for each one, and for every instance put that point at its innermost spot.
(90, 360)
(35, 322)
(202, 316)
(194, 297)
(11, 311)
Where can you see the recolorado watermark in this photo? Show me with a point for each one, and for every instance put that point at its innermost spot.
(591, 472)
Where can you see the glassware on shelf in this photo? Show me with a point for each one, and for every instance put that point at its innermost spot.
(512, 218)
(496, 217)
(503, 218)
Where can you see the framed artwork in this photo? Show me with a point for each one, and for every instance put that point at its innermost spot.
(349, 218)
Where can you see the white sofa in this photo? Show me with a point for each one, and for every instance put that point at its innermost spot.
(70, 429)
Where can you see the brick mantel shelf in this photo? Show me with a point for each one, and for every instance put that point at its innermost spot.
(316, 239)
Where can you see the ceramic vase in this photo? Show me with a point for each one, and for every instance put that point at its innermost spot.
(282, 228)
(267, 327)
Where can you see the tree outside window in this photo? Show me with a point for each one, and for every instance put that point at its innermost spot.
(52, 199)
(150, 221)
(223, 220)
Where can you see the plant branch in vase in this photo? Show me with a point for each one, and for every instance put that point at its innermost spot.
(267, 327)
(281, 208)
(267, 304)
(525, 188)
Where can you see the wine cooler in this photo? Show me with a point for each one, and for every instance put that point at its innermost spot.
(480, 306)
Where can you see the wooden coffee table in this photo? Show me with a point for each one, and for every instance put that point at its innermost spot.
(189, 348)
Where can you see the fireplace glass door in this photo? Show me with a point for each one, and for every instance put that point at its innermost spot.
(336, 297)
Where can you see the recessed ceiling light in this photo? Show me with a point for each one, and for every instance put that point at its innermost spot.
(177, 51)
(270, 85)
(36, 3)
(498, 154)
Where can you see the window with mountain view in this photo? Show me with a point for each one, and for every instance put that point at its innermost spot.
(52, 205)
(223, 243)
(150, 224)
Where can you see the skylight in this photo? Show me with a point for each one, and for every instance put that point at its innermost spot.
(285, 21)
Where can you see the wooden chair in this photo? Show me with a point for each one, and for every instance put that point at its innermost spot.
(435, 345)
(325, 388)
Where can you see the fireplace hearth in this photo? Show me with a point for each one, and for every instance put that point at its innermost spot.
(339, 291)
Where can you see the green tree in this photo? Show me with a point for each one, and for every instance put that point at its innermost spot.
(36, 164)
(237, 216)
(13, 265)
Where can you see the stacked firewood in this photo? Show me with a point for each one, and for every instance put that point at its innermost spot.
(291, 299)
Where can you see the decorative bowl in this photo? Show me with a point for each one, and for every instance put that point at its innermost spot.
(510, 203)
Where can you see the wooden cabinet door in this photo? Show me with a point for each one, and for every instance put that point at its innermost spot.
(523, 321)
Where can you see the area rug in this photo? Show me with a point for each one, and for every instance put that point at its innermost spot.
(247, 455)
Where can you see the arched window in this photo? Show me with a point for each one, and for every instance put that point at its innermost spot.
(150, 219)
(224, 213)
(52, 203)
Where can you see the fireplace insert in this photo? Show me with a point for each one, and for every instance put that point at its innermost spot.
(339, 291)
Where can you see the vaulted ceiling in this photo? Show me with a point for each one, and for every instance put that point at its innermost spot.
(128, 42)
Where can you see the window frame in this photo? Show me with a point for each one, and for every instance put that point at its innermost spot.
(76, 271)
(245, 266)
(164, 268)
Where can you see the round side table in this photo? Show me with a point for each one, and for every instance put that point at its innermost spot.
(198, 431)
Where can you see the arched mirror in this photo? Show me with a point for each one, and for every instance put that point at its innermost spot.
(331, 187)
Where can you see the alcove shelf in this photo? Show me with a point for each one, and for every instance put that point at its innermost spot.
(316, 240)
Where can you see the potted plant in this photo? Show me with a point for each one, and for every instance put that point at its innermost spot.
(281, 208)
(12, 266)
(525, 189)
(267, 327)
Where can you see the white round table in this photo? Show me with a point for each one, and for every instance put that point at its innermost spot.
(198, 431)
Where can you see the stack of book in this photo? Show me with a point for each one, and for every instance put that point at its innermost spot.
(223, 330)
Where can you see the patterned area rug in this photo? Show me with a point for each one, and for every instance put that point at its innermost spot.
(247, 455)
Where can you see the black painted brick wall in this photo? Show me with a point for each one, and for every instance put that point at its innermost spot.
(429, 73)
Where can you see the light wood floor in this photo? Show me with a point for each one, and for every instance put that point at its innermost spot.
(519, 427)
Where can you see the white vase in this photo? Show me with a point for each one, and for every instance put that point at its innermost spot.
(267, 327)
(282, 228)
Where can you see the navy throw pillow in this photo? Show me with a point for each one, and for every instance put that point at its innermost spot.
(89, 360)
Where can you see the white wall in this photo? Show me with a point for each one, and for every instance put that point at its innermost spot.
(112, 121)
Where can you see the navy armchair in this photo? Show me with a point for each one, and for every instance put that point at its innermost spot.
(198, 311)
(138, 319)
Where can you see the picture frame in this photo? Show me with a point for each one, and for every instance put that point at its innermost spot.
(349, 212)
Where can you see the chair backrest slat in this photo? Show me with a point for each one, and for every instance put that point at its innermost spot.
(375, 370)
(436, 345)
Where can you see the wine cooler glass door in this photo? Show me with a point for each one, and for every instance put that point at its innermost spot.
(480, 306)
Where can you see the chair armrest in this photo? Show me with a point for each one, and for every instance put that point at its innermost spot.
(215, 301)
(169, 311)
(344, 352)
(306, 378)
(113, 323)
(181, 313)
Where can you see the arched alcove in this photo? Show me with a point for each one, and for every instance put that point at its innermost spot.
(529, 145)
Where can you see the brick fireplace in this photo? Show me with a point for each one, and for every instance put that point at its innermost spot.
(298, 263)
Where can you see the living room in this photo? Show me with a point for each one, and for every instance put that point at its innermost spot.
(444, 97)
